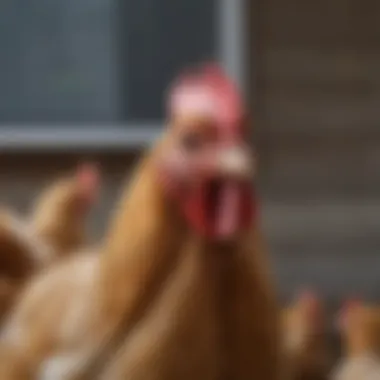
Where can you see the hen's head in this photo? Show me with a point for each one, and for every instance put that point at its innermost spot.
(68, 199)
(305, 335)
(304, 321)
(359, 325)
(207, 164)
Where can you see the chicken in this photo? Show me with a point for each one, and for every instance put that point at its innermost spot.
(305, 337)
(55, 229)
(180, 287)
(360, 330)
(59, 215)
(56, 225)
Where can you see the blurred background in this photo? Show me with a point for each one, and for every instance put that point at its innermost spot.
(86, 79)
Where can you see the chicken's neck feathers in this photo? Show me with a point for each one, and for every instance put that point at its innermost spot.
(143, 240)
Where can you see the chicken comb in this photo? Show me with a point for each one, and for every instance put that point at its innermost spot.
(207, 89)
(350, 304)
(229, 96)
(310, 302)
(347, 307)
(87, 175)
(308, 296)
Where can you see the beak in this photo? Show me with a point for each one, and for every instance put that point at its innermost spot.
(236, 162)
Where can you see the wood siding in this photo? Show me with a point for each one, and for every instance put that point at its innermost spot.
(317, 106)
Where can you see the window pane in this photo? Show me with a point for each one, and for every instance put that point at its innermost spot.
(97, 60)
(161, 38)
(57, 60)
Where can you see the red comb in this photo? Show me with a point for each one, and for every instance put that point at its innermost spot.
(310, 303)
(218, 79)
(87, 175)
(347, 307)
(208, 89)
(308, 296)
(350, 304)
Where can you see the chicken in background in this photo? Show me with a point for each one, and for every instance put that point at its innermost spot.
(181, 287)
(56, 228)
(59, 215)
(359, 325)
(305, 337)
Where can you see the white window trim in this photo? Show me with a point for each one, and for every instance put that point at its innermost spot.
(231, 47)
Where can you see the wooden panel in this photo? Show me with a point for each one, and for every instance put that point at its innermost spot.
(318, 115)
(318, 90)
(298, 110)
(329, 245)
(321, 90)
(304, 66)
(321, 174)
(318, 65)
(323, 23)
(334, 276)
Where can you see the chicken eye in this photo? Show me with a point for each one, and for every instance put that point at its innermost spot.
(191, 141)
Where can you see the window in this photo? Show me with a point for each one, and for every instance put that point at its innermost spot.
(93, 69)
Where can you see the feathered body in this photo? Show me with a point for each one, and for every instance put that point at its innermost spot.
(215, 318)
(360, 330)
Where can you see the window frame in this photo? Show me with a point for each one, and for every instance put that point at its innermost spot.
(230, 46)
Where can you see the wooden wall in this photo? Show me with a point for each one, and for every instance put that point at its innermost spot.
(317, 104)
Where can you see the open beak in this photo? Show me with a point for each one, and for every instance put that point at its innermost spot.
(230, 192)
